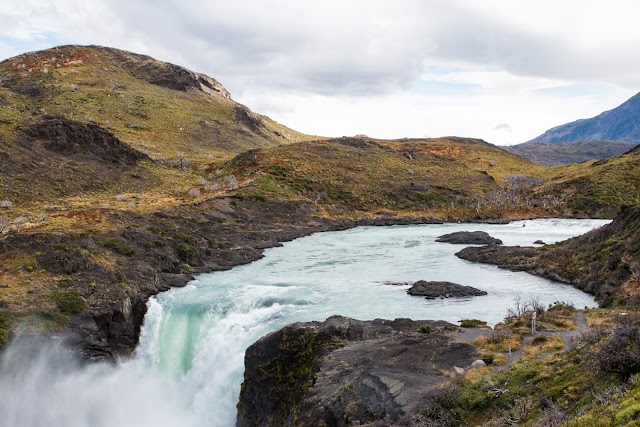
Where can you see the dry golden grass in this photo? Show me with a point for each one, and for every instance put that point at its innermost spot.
(542, 344)
(499, 341)
(607, 317)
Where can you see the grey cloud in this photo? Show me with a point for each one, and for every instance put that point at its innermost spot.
(334, 47)
(482, 40)
(285, 47)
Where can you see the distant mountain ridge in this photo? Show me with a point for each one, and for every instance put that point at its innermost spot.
(566, 153)
(619, 124)
(609, 134)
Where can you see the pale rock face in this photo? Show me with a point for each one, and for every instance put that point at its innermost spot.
(212, 86)
(478, 364)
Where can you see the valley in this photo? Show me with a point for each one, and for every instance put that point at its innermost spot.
(122, 177)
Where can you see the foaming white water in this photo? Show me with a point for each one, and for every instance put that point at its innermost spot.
(188, 367)
(42, 384)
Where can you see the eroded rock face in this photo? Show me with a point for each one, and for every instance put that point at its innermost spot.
(166, 75)
(469, 238)
(433, 290)
(78, 139)
(343, 371)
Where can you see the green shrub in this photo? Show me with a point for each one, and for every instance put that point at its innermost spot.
(538, 340)
(426, 329)
(186, 252)
(5, 329)
(629, 413)
(472, 323)
(118, 246)
(620, 353)
(69, 302)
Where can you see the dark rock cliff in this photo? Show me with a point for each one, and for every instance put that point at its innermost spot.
(343, 372)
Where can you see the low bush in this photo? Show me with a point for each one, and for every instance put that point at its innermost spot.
(620, 353)
(4, 329)
(68, 302)
(186, 252)
(439, 405)
(118, 246)
(539, 340)
(426, 329)
(472, 323)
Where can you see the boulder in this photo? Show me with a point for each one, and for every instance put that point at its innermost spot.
(456, 372)
(477, 364)
(469, 238)
(433, 290)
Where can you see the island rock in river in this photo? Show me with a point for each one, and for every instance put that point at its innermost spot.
(469, 238)
(433, 290)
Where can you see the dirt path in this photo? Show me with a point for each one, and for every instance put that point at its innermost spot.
(469, 335)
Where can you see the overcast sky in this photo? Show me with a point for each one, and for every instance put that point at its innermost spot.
(504, 71)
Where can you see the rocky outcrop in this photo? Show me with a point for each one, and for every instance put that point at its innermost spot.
(165, 74)
(515, 258)
(77, 139)
(469, 238)
(433, 290)
(343, 372)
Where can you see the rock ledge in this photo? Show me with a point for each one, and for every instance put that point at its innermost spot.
(343, 372)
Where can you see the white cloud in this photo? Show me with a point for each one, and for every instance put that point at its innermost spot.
(502, 127)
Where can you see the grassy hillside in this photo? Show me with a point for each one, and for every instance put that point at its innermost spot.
(160, 123)
(590, 380)
(357, 176)
(595, 188)
(159, 108)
